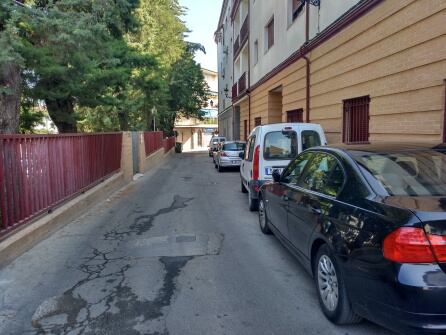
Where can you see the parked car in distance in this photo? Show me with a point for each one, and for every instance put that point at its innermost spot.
(271, 147)
(369, 223)
(213, 143)
(229, 154)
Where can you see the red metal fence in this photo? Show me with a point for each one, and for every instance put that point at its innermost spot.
(168, 143)
(38, 172)
(153, 141)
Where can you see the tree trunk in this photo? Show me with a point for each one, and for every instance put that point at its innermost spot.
(10, 100)
(123, 121)
(62, 114)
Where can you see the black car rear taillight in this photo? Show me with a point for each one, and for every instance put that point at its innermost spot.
(413, 245)
(438, 243)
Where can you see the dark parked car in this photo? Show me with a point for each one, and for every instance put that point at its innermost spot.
(369, 224)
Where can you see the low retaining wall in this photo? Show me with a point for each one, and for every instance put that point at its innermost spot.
(18, 242)
(32, 233)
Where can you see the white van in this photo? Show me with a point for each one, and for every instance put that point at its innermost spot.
(272, 147)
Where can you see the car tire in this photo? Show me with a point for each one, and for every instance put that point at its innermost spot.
(263, 218)
(329, 282)
(253, 204)
(243, 188)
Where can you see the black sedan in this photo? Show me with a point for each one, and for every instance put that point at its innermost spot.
(368, 222)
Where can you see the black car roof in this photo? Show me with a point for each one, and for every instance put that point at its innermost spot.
(385, 147)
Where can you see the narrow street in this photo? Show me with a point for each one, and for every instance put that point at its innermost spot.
(176, 252)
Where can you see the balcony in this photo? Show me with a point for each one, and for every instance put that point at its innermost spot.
(242, 38)
(235, 5)
(239, 87)
(244, 31)
(234, 92)
(242, 84)
(236, 46)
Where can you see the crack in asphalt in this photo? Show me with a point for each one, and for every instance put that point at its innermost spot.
(114, 307)
(143, 223)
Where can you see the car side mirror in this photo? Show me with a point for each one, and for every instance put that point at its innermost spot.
(241, 155)
(276, 176)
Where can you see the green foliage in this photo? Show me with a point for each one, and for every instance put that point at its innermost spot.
(30, 117)
(103, 65)
(188, 90)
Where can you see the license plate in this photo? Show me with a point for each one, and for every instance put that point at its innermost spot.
(234, 162)
(269, 170)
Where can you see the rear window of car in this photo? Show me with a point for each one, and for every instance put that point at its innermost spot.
(412, 173)
(234, 146)
(280, 145)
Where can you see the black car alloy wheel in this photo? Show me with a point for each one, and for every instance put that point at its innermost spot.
(263, 218)
(331, 289)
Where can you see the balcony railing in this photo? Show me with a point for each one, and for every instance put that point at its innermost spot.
(234, 92)
(235, 5)
(242, 38)
(239, 87)
(244, 31)
(236, 46)
(242, 84)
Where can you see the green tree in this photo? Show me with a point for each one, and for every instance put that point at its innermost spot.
(10, 72)
(74, 52)
(188, 91)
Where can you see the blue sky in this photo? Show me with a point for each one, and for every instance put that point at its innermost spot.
(202, 18)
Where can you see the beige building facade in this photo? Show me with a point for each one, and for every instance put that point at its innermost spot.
(365, 70)
(196, 134)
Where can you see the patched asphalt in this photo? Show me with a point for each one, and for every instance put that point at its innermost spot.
(176, 252)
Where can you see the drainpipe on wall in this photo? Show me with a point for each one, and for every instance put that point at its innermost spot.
(249, 67)
(444, 112)
(249, 113)
(307, 60)
(307, 97)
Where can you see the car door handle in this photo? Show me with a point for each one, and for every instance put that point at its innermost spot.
(316, 211)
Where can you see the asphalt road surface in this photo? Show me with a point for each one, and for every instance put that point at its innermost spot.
(176, 252)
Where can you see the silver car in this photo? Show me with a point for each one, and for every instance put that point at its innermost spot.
(229, 154)
(213, 144)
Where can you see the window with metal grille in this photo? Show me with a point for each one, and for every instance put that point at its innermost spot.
(356, 120)
(295, 115)
(257, 121)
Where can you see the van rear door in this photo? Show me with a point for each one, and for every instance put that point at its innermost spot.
(280, 146)
(310, 138)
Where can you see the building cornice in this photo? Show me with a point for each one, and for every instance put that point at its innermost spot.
(220, 20)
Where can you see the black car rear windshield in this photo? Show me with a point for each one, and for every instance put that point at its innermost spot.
(412, 173)
(280, 145)
(234, 147)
